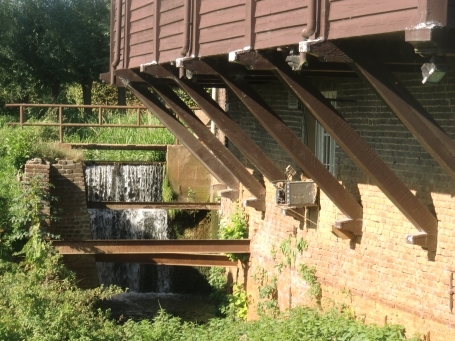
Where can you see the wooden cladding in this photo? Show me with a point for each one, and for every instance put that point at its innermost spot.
(154, 30)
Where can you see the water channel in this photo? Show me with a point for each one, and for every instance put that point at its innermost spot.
(149, 287)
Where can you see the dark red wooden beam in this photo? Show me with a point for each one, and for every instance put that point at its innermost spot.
(410, 112)
(213, 165)
(224, 122)
(208, 138)
(293, 146)
(177, 259)
(351, 142)
(150, 246)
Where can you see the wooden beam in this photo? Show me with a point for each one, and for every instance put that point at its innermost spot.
(105, 146)
(151, 246)
(169, 259)
(356, 148)
(293, 146)
(411, 113)
(114, 205)
(213, 165)
(225, 123)
(208, 138)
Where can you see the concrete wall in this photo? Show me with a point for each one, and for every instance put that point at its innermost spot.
(378, 275)
(69, 211)
(189, 179)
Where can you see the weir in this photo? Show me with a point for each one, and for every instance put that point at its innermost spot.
(128, 183)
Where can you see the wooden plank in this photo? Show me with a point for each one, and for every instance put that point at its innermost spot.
(270, 8)
(151, 246)
(145, 12)
(168, 5)
(355, 147)
(340, 10)
(293, 146)
(135, 4)
(411, 113)
(375, 24)
(171, 54)
(169, 259)
(209, 6)
(141, 25)
(171, 16)
(141, 49)
(110, 205)
(136, 61)
(170, 30)
(223, 32)
(221, 46)
(106, 146)
(226, 16)
(286, 36)
(297, 17)
(171, 43)
(141, 36)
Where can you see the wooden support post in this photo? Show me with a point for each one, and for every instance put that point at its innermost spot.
(225, 123)
(351, 142)
(293, 146)
(213, 165)
(410, 112)
(208, 138)
(60, 122)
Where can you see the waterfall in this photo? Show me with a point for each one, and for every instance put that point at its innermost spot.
(129, 183)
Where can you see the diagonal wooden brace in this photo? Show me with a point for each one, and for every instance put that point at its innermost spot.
(351, 142)
(292, 144)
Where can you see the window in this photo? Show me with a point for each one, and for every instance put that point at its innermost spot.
(325, 144)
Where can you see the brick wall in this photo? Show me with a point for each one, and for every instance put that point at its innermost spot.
(69, 210)
(378, 275)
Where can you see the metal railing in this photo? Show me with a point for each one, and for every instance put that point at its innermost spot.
(60, 124)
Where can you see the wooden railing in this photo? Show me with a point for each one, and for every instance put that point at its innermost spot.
(60, 124)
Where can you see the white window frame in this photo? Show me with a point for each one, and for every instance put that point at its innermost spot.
(325, 144)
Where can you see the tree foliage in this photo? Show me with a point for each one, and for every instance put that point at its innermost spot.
(48, 43)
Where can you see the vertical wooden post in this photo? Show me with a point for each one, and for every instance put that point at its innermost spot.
(60, 122)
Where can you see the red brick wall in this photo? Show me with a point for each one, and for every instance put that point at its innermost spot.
(71, 220)
(378, 275)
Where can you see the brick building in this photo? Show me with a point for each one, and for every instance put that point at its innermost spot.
(334, 89)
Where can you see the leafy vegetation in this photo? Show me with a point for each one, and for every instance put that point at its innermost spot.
(234, 226)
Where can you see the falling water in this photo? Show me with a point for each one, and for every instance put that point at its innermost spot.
(129, 183)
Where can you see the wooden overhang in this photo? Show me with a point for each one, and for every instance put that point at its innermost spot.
(158, 31)
(188, 43)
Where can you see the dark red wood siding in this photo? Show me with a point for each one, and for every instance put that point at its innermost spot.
(223, 26)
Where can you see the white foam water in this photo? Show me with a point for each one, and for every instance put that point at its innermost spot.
(129, 183)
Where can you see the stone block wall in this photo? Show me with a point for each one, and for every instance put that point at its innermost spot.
(378, 275)
(69, 210)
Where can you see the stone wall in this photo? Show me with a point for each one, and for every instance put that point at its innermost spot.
(378, 275)
(69, 210)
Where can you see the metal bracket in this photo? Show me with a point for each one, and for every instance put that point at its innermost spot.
(231, 194)
(144, 66)
(257, 204)
(305, 45)
(347, 225)
(179, 61)
(419, 239)
(233, 54)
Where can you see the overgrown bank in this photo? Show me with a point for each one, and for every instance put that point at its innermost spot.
(39, 299)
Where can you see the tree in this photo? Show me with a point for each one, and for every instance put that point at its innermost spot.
(49, 43)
